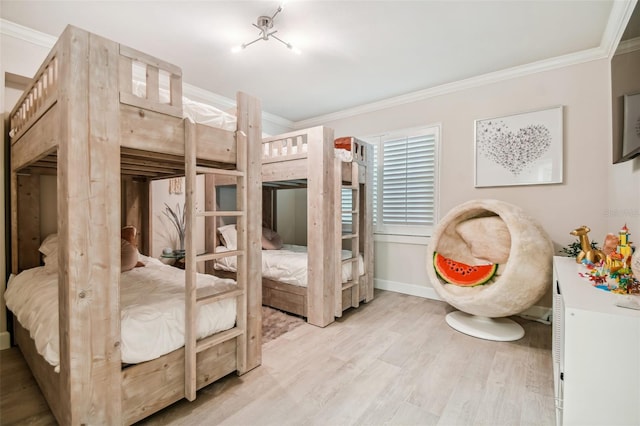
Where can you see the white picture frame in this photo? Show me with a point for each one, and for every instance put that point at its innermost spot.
(519, 149)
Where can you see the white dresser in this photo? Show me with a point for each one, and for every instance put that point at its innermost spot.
(596, 352)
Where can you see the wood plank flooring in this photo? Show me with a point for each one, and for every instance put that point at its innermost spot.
(393, 361)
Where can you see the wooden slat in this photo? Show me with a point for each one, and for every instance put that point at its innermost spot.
(48, 380)
(153, 385)
(218, 338)
(213, 256)
(223, 172)
(206, 296)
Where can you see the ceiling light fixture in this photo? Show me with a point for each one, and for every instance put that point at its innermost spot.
(265, 24)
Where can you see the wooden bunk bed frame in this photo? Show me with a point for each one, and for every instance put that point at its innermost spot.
(80, 121)
(286, 165)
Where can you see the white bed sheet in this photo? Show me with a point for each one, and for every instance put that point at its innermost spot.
(196, 111)
(287, 265)
(152, 310)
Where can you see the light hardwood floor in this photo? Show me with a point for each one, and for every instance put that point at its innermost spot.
(393, 361)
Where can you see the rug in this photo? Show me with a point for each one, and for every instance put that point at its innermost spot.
(275, 323)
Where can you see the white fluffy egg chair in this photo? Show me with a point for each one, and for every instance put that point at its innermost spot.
(485, 231)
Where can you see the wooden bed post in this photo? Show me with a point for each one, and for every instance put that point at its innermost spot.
(366, 221)
(250, 122)
(88, 231)
(321, 224)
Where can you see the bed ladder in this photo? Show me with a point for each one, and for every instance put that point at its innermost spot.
(196, 297)
(354, 236)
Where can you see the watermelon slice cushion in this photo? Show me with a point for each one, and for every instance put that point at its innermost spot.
(461, 274)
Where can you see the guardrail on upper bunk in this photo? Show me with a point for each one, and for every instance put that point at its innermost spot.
(149, 83)
(359, 149)
(42, 94)
(288, 146)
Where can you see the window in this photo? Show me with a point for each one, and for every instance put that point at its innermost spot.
(405, 182)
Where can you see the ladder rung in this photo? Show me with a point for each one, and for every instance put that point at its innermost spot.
(348, 284)
(214, 171)
(220, 213)
(348, 236)
(212, 256)
(208, 342)
(349, 260)
(207, 295)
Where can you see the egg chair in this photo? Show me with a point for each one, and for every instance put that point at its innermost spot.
(510, 258)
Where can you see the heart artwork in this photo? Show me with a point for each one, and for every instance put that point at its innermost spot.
(514, 151)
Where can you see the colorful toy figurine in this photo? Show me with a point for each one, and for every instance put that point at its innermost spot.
(586, 252)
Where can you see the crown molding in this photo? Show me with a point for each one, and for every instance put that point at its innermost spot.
(628, 46)
(11, 29)
(621, 12)
(619, 16)
(469, 83)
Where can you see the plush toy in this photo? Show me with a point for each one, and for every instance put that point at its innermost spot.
(129, 248)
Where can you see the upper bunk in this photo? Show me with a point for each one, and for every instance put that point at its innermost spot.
(89, 79)
(289, 160)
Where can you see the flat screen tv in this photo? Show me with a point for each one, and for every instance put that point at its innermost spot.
(631, 127)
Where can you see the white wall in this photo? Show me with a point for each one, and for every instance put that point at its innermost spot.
(582, 198)
(624, 178)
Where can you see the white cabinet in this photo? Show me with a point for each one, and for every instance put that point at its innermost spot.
(596, 352)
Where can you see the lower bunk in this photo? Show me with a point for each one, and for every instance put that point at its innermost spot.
(146, 387)
(284, 279)
(152, 337)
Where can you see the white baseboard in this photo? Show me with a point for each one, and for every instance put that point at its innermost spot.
(405, 288)
(5, 340)
(535, 313)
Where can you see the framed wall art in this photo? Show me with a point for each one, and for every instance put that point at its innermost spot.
(519, 149)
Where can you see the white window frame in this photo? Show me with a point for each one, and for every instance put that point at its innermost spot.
(406, 230)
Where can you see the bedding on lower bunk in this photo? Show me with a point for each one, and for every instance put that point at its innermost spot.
(152, 310)
(287, 265)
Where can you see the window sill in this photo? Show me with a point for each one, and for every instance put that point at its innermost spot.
(421, 240)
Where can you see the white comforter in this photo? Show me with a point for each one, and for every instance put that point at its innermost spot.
(152, 310)
(287, 265)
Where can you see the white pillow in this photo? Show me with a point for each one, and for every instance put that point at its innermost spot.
(49, 245)
(229, 236)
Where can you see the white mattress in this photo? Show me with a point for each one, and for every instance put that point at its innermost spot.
(196, 111)
(287, 265)
(152, 310)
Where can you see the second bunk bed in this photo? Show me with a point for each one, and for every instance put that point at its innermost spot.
(338, 266)
(81, 121)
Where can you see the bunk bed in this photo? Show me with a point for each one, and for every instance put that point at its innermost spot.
(81, 120)
(313, 159)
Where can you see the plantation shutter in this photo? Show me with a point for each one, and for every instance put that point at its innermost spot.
(408, 180)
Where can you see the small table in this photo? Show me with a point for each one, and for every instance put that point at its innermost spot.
(179, 258)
